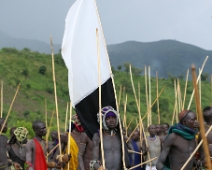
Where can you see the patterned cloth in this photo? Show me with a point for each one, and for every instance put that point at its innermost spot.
(183, 131)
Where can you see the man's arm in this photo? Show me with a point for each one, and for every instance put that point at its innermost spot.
(166, 148)
(96, 142)
(29, 153)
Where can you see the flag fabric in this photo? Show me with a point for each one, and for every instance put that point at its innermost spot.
(80, 53)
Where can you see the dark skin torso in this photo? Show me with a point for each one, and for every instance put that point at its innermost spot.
(3, 149)
(30, 150)
(112, 151)
(87, 157)
(82, 141)
(19, 152)
(178, 149)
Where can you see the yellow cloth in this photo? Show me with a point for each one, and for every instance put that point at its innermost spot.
(73, 163)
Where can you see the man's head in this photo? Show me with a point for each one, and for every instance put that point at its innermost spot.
(54, 135)
(207, 114)
(165, 128)
(158, 129)
(2, 120)
(188, 118)
(76, 120)
(109, 118)
(135, 135)
(152, 130)
(21, 134)
(39, 128)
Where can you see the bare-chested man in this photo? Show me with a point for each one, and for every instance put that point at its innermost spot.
(111, 142)
(3, 146)
(84, 144)
(36, 149)
(180, 143)
(17, 147)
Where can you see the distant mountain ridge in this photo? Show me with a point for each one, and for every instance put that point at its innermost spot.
(165, 56)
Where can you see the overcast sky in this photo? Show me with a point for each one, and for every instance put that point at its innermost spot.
(187, 21)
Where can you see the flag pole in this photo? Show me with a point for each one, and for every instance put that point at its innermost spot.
(55, 95)
(146, 90)
(69, 130)
(66, 117)
(201, 121)
(100, 97)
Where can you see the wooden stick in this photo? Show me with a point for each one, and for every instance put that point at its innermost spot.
(55, 96)
(158, 108)
(195, 150)
(174, 111)
(125, 110)
(200, 91)
(46, 123)
(185, 89)
(5, 121)
(132, 151)
(150, 99)
(100, 97)
(51, 151)
(1, 98)
(120, 90)
(143, 163)
(66, 116)
(69, 130)
(201, 121)
(179, 95)
(175, 94)
(146, 91)
(192, 95)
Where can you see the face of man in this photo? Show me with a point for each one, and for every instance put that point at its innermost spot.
(41, 129)
(135, 136)
(158, 129)
(191, 121)
(54, 135)
(110, 121)
(64, 138)
(165, 128)
(152, 130)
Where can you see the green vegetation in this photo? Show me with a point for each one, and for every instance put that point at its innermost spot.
(33, 71)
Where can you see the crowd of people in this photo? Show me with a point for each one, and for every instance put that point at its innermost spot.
(163, 147)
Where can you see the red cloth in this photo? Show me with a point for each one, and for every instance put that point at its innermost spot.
(40, 161)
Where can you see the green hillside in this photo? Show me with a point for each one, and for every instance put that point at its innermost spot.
(33, 71)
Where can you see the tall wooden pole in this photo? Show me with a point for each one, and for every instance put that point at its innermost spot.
(201, 121)
(150, 98)
(55, 96)
(69, 134)
(100, 101)
(146, 92)
(158, 108)
(65, 126)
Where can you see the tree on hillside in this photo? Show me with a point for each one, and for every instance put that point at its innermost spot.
(204, 76)
(42, 69)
